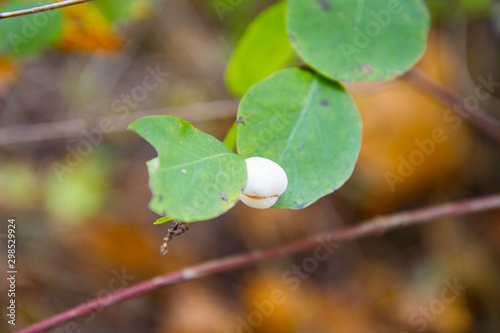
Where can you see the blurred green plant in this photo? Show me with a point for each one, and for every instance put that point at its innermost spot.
(123, 10)
(83, 192)
(29, 35)
(19, 180)
(447, 9)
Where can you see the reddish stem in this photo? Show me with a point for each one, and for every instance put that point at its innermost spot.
(370, 227)
(476, 116)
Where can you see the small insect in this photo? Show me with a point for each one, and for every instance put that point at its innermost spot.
(176, 229)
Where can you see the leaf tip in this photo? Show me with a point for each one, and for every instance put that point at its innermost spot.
(163, 220)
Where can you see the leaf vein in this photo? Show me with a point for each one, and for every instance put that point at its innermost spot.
(300, 119)
(193, 162)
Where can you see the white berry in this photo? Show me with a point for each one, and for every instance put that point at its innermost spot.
(266, 182)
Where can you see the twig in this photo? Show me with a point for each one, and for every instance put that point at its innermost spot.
(75, 128)
(477, 116)
(41, 8)
(176, 229)
(371, 227)
(222, 109)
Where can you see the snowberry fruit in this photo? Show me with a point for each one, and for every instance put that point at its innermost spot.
(266, 182)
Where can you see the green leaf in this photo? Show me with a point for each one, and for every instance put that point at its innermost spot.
(308, 125)
(362, 40)
(195, 177)
(28, 34)
(263, 49)
(163, 220)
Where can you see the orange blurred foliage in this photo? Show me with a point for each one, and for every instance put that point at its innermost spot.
(86, 29)
(410, 141)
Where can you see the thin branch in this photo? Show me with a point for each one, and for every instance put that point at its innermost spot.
(41, 8)
(25, 134)
(371, 227)
(222, 109)
(476, 116)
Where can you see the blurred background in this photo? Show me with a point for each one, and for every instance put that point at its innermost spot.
(76, 180)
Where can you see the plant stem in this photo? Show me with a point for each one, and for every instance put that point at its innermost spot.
(230, 139)
(374, 226)
(25, 134)
(41, 8)
(476, 116)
